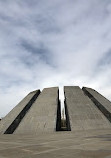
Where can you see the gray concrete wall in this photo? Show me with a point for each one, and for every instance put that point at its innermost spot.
(12, 115)
(42, 115)
(83, 114)
(103, 104)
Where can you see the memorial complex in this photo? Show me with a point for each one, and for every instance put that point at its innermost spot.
(34, 127)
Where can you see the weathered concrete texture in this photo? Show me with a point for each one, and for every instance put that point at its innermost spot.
(80, 144)
(100, 101)
(83, 114)
(43, 114)
(14, 117)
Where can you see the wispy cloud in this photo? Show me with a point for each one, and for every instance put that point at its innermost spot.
(53, 43)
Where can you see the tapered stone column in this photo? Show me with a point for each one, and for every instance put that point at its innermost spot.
(83, 114)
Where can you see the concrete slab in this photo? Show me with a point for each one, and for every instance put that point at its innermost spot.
(78, 144)
(14, 116)
(43, 114)
(103, 104)
(83, 114)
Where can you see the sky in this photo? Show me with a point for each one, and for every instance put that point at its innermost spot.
(48, 43)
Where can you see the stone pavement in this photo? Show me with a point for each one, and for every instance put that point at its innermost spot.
(79, 144)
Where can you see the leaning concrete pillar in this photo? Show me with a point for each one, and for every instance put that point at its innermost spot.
(10, 122)
(103, 104)
(82, 112)
(42, 116)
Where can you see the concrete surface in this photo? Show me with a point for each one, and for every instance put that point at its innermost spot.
(100, 101)
(78, 144)
(35, 137)
(12, 115)
(83, 114)
(42, 115)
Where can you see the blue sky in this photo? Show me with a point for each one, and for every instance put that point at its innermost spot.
(46, 43)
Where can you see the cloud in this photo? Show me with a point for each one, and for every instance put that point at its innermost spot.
(56, 43)
(106, 59)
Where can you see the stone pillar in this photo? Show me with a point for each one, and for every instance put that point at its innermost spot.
(83, 114)
(42, 116)
(10, 122)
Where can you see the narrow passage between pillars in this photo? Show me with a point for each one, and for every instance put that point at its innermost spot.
(63, 123)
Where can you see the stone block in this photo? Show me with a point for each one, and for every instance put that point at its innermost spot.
(10, 122)
(82, 112)
(42, 116)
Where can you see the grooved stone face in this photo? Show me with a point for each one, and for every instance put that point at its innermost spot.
(83, 114)
(101, 99)
(10, 117)
(42, 115)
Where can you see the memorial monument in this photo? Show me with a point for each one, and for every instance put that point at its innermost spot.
(40, 112)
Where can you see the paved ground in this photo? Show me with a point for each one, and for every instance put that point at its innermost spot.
(89, 144)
